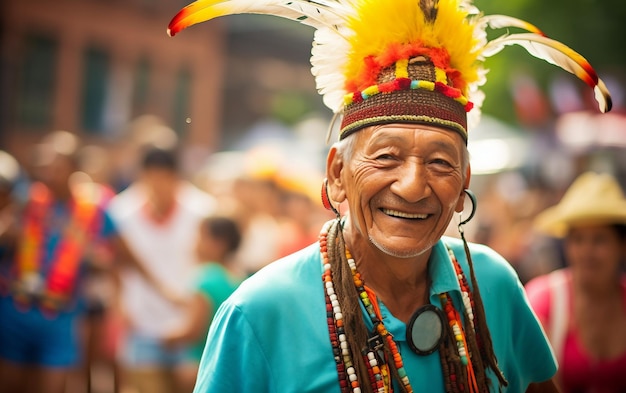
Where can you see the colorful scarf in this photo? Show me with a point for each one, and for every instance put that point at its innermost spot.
(54, 292)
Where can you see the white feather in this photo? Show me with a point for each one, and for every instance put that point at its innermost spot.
(327, 60)
(322, 13)
(505, 21)
(315, 13)
(330, 45)
(603, 96)
(538, 46)
(556, 53)
(328, 17)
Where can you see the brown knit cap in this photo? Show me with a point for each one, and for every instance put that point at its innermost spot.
(418, 106)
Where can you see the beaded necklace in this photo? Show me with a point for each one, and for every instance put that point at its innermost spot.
(374, 358)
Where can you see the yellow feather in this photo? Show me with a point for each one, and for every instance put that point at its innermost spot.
(378, 24)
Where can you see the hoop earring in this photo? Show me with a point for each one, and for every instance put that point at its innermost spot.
(326, 199)
(468, 255)
(472, 198)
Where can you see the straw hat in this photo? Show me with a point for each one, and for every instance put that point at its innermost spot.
(592, 199)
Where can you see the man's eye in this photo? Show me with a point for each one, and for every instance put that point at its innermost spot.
(441, 162)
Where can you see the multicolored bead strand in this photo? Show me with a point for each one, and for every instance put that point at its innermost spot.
(343, 359)
(378, 324)
(454, 319)
(381, 372)
(374, 357)
(468, 301)
(374, 372)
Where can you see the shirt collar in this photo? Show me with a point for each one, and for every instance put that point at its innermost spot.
(443, 279)
(441, 271)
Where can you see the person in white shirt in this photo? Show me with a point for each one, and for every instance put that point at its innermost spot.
(158, 216)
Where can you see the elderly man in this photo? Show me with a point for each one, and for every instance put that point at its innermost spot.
(384, 302)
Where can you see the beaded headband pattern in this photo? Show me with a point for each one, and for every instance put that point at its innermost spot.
(411, 91)
(402, 61)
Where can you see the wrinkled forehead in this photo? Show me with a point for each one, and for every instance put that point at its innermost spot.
(405, 135)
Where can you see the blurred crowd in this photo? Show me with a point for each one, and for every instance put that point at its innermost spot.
(130, 255)
(118, 269)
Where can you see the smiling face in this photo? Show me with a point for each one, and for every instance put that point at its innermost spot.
(402, 182)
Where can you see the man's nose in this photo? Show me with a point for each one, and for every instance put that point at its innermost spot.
(411, 183)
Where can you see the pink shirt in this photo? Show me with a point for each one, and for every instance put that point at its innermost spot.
(578, 371)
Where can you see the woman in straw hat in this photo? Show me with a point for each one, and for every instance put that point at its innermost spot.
(583, 307)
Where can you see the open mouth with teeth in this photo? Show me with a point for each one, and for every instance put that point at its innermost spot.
(399, 214)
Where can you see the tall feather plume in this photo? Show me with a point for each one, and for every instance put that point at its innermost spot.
(348, 31)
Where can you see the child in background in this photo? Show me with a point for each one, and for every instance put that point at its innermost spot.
(215, 280)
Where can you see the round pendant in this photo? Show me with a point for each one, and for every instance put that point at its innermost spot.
(425, 330)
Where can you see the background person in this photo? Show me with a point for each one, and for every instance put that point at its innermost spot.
(41, 315)
(583, 306)
(158, 216)
(215, 279)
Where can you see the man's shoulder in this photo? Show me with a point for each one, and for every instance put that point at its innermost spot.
(286, 280)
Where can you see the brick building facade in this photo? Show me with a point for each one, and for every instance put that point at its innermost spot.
(91, 66)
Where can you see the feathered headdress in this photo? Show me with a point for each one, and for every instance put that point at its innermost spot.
(402, 61)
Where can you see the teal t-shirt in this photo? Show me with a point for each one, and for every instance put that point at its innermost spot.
(217, 284)
(271, 335)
